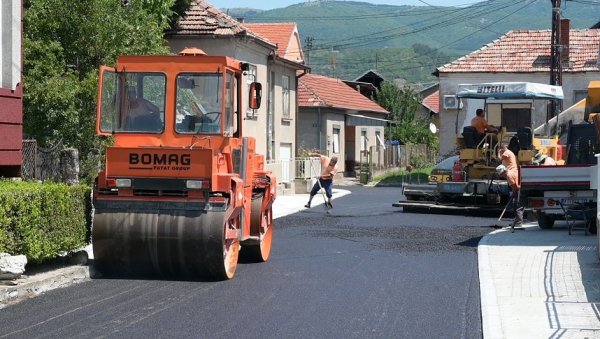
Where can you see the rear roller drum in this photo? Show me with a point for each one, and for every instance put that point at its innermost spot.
(222, 246)
(261, 226)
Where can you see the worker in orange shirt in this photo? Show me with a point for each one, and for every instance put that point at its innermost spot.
(481, 125)
(509, 168)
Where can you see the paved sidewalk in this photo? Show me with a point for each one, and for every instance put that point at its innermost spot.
(539, 283)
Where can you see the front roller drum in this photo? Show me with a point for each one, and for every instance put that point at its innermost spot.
(191, 243)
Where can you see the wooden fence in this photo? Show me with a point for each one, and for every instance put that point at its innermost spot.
(399, 156)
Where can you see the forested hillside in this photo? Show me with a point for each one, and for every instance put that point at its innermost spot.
(409, 42)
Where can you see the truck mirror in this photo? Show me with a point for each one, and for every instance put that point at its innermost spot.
(255, 95)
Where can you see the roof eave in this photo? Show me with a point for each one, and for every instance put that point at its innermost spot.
(279, 60)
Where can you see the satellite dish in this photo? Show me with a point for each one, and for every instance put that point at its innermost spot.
(432, 128)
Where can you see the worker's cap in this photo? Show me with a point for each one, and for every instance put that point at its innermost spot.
(538, 158)
(500, 169)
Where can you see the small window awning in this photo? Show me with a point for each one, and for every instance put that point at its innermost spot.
(361, 120)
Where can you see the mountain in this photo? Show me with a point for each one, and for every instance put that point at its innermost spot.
(351, 37)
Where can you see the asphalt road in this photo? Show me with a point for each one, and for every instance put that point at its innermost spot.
(365, 271)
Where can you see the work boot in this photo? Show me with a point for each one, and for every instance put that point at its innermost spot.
(518, 221)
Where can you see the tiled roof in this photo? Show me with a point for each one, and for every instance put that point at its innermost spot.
(432, 101)
(529, 51)
(318, 90)
(277, 33)
(204, 19)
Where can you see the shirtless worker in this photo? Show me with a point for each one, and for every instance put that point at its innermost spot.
(510, 168)
(328, 171)
(481, 125)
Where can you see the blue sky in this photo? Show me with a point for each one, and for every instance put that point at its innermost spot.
(270, 4)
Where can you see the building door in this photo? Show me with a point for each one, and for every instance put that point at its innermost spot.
(285, 154)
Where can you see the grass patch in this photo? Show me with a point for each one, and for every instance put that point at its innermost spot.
(417, 176)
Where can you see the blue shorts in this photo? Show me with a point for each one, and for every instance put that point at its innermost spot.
(327, 185)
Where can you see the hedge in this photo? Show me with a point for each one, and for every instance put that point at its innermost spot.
(42, 221)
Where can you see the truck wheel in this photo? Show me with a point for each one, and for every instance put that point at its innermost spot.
(593, 227)
(545, 221)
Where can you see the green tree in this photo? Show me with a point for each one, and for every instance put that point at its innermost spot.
(388, 97)
(64, 44)
(403, 103)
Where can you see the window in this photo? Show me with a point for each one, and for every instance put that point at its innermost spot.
(363, 141)
(378, 140)
(336, 140)
(285, 96)
(133, 102)
(270, 119)
(513, 118)
(579, 95)
(199, 103)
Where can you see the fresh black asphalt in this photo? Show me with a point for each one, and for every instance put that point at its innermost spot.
(367, 270)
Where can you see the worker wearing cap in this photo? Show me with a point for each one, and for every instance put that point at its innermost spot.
(541, 159)
(511, 170)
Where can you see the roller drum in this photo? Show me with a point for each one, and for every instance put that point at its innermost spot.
(169, 242)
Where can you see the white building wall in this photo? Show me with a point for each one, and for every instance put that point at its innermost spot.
(10, 53)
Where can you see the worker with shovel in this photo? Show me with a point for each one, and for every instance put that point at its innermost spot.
(510, 169)
(325, 180)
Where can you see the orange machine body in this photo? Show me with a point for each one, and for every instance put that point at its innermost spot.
(193, 159)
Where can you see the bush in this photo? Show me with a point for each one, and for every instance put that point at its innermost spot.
(42, 221)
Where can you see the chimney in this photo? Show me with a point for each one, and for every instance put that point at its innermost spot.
(565, 28)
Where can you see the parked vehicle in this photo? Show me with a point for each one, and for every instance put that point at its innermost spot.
(182, 189)
(441, 172)
(551, 191)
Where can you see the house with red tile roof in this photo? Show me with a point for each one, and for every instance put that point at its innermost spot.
(272, 62)
(430, 104)
(284, 35)
(518, 56)
(338, 120)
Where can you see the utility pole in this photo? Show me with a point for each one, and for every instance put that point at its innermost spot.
(555, 59)
(309, 44)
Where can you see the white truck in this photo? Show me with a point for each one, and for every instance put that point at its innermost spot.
(553, 192)
(550, 191)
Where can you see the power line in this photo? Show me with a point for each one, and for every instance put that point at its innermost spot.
(462, 38)
(368, 38)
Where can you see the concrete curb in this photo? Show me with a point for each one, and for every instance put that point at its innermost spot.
(32, 286)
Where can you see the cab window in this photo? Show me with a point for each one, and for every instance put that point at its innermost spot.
(199, 103)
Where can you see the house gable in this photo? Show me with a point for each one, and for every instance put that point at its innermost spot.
(284, 35)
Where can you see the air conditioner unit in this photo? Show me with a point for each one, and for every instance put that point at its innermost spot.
(452, 102)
